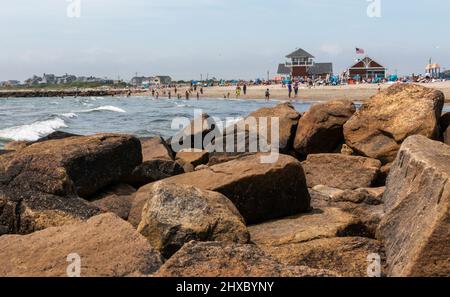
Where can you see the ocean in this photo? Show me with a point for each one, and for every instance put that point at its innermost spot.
(32, 118)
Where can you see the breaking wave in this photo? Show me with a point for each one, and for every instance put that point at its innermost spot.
(34, 131)
(106, 108)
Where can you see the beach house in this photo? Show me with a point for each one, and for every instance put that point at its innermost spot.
(365, 69)
(301, 64)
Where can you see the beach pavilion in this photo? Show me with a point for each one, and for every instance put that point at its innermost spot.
(367, 68)
(301, 64)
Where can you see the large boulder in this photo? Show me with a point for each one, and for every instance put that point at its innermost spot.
(175, 214)
(107, 246)
(320, 223)
(260, 191)
(153, 170)
(20, 144)
(74, 165)
(341, 171)
(23, 212)
(348, 256)
(193, 135)
(444, 124)
(222, 259)
(320, 129)
(190, 159)
(378, 129)
(416, 227)
(155, 148)
(288, 120)
(116, 199)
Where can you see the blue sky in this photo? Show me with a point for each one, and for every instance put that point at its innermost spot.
(225, 38)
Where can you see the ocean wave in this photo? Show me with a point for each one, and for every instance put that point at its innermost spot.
(70, 115)
(34, 131)
(106, 108)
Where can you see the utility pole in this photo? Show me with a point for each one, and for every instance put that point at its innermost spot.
(268, 75)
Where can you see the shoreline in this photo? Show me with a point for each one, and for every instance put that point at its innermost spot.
(360, 92)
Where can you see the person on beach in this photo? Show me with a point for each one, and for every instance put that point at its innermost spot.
(170, 94)
(153, 92)
(267, 95)
(198, 95)
(201, 90)
(176, 90)
(296, 89)
(238, 92)
(290, 90)
(245, 89)
(187, 95)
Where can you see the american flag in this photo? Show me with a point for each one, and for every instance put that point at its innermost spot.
(359, 51)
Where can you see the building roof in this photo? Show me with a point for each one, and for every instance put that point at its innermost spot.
(283, 70)
(367, 63)
(299, 53)
(321, 68)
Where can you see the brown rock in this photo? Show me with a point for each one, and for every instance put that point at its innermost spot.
(153, 170)
(345, 255)
(370, 196)
(444, 124)
(387, 119)
(320, 130)
(288, 120)
(176, 214)
(55, 136)
(23, 212)
(116, 199)
(16, 145)
(259, 191)
(4, 152)
(416, 227)
(191, 159)
(107, 246)
(75, 165)
(219, 158)
(221, 259)
(341, 171)
(155, 148)
(320, 223)
(192, 136)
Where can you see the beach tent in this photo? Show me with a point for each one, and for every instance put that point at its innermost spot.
(393, 77)
(334, 80)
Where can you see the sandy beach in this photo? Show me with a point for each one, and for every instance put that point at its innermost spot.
(321, 93)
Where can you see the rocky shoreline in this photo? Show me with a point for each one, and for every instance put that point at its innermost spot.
(66, 93)
(354, 193)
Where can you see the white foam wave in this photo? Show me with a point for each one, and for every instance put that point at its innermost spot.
(34, 131)
(106, 108)
(70, 115)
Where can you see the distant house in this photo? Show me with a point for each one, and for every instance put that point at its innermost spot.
(9, 83)
(164, 79)
(300, 63)
(366, 68)
(138, 80)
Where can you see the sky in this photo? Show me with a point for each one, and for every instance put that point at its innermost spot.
(227, 39)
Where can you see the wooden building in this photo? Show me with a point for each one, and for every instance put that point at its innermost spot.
(366, 68)
(300, 63)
